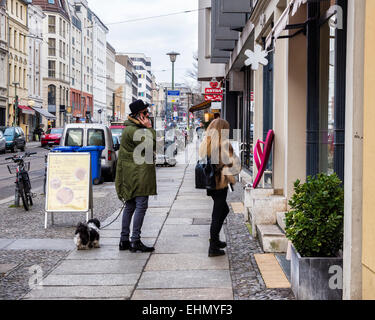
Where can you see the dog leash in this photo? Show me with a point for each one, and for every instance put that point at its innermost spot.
(115, 218)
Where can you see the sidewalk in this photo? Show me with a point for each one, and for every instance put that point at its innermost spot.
(177, 223)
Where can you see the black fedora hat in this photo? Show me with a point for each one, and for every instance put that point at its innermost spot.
(137, 106)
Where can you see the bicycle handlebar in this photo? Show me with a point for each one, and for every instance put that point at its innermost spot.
(16, 157)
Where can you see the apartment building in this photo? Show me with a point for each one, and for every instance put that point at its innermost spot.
(81, 61)
(17, 65)
(3, 62)
(99, 33)
(128, 79)
(36, 64)
(111, 69)
(142, 65)
(56, 51)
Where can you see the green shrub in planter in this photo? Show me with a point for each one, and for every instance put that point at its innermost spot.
(315, 222)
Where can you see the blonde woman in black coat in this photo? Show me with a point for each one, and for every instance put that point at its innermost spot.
(227, 165)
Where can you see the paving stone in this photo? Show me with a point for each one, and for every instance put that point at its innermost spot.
(106, 253)
(106, 279)
(41, 244)
(148, 241)
(185, 231)
(69, 267)
(5, 242)
(185, 279)
(189, 213)
(196, 261)
(184, 294)
(82, 292)
(181, 245)
(178, 221)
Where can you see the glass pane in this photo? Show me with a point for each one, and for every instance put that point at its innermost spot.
(327, 97)
(74, 137)
(95, 137)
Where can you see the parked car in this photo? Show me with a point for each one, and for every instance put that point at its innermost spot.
(15, 139)
(117, 129)
(93, 134)
(51, 137)
(2, 143)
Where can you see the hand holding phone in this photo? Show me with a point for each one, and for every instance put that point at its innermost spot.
(144, 120)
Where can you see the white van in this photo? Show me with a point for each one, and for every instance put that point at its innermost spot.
(93, 134)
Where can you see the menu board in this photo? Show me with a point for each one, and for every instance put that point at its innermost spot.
(68, 182)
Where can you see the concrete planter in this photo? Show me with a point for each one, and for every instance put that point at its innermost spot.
(316, 278)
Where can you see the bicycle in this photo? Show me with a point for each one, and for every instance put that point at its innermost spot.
(23, 185)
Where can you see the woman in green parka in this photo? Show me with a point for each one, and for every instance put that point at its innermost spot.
(136, 174)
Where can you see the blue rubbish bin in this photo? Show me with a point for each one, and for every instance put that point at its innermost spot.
(65, 149)
(96, 153)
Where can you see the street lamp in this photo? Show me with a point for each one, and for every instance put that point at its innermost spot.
(15, 102)
(173, 56)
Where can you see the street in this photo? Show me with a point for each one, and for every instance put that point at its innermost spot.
(178, 269)
(36, 172)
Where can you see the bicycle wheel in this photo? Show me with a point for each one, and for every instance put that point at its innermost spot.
(30, 199)
(24, 199)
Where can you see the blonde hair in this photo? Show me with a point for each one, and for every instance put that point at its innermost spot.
(216, 138)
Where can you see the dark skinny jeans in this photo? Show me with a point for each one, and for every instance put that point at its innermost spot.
(219, 212)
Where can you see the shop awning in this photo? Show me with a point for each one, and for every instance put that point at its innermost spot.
(26, 110)
(44, 113)
(283, 21)
(200, 106)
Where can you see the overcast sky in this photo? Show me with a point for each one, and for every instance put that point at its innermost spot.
(153, 37)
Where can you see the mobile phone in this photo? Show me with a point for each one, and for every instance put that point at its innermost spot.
(230, 187)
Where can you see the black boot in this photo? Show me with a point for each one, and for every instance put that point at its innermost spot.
(139, 246)
(220, 244)
(214, 250)
(124, 245)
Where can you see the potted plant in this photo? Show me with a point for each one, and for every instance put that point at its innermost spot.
(314, 225)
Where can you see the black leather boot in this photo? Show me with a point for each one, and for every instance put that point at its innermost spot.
(139, 246)
(218, 243)
(124, 245)
(214, 250)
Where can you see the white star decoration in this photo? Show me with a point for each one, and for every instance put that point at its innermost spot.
(256, 57)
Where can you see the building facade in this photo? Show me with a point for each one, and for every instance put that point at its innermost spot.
(111, 69)
(3, 62)
(36, 64)
(81, 92)
(142, 66)
(56, 51)
(127, 79)
(99, 69)
(17, 66)
(313, 91)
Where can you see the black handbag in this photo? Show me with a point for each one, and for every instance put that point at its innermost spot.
(205, 175)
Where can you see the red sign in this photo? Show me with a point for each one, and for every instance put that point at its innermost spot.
(214, 84)
(213, 91)
(213, 97)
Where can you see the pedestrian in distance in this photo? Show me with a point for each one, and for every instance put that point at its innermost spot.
(227, 165)
(136, 180)
(200, 131)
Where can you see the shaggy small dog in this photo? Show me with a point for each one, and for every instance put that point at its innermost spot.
(87, 235)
